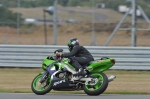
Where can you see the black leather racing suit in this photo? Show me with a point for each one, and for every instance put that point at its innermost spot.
(79, 56)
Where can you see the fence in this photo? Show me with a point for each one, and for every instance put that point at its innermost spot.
(90, 22)
(128, 58)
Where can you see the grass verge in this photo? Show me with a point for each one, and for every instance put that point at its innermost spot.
(16, 80)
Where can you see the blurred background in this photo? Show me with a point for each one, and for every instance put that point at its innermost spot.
(91, 21)
(94, 22)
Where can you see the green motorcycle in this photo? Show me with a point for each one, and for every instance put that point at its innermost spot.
(58, 75)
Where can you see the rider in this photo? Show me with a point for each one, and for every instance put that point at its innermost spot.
(78, 55)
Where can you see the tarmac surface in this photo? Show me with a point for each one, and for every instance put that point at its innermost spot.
(69, 96)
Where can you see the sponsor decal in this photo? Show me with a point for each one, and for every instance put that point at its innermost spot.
(59, 82)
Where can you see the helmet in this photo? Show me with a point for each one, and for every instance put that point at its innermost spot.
(72, 42)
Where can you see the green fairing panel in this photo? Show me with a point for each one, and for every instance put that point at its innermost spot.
(47, 62)
(66, 62)
(59, 65)
(100, 65)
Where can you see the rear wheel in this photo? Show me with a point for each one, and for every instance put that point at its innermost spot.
(41, 88)
(97, 86)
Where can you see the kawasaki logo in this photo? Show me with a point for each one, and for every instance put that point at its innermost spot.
(59, 82)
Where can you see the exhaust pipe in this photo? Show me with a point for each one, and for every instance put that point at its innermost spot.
(111, 78)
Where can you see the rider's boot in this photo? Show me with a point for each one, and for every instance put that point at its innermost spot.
(80, 72)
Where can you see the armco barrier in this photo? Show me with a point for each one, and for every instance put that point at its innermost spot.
(128, 58)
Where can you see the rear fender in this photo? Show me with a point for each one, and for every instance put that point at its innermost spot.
(101, 65)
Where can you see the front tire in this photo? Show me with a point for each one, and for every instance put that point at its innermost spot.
(99, 87)
(41, 88)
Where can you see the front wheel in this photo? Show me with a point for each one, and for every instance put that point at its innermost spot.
(97, 86)
(41, 88)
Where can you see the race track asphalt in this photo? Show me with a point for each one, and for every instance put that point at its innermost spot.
(69, 96)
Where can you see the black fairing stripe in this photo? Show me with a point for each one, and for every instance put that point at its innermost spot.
(61, 83)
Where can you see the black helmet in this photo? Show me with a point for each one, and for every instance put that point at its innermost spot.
(72, 42)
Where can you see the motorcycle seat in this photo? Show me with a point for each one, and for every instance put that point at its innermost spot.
(103, 58)
(85, 65)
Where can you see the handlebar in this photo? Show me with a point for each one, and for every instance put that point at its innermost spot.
(59, 59)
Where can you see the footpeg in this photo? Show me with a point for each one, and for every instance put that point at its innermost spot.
(76, 78)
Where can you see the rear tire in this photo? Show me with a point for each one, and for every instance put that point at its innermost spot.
(43, 90)
(99, 88)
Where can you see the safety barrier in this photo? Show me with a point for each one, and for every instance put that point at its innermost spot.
(128, 58)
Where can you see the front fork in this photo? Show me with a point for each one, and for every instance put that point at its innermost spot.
(44, 76)
(47, 72)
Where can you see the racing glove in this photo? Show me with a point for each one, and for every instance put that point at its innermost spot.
(58, 55)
